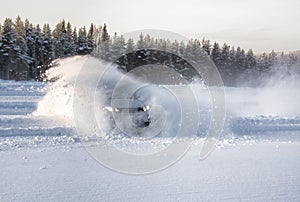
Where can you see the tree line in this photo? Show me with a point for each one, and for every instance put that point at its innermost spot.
(27, 50)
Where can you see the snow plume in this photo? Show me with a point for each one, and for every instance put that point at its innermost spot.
(280, 94)
(76, 97)
(277, 93)
(82, 90)
(282, 76)
(59, 101)
(85, 95)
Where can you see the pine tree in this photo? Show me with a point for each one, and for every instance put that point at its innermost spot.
(130, 46)
(216, 54)
(206, 46)
(250, 60)
(22, 58)
(188, 53)
(8, 50)
(39, 59)
(240, 59)
(104, 36)
(243, 61)
(230, 70)
(182, 48)
(69, 31)
(196, 51)
(148, 41)
(47, 31)
(48, 54)
(263, 63)
(19, 27)
(47, 49)
(97, 40)
(272, 58)
(282, 59)
(175, 47)
(83, 48)
(90, 39)
(30, 41)
(292, 58)
(105, 45)
(225, 68)
(161, 44)
(75, 40)
(118, 47)
(140, 44)
(221, 57)
(225, 55)
(24, 47)
(70, 43)
(232, 62)
(60, 40)
(105, 50)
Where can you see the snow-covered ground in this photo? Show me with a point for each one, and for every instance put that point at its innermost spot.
(42, 158)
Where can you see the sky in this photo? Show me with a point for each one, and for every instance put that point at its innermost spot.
(262, 25)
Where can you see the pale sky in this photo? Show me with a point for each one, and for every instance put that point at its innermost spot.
(262, 25)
